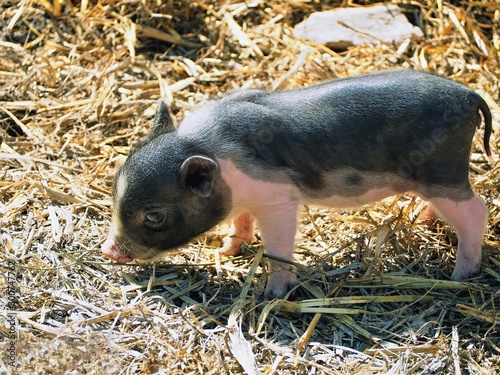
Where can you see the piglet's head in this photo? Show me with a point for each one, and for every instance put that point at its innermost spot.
(167, 192)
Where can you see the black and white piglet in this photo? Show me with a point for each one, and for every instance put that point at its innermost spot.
(258, 155)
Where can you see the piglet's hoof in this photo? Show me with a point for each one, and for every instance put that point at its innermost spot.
(279, 284)
(241, 232)
(231, 246)
(464, 272)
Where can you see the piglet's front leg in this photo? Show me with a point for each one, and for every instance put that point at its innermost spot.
(241, 232)
(278, 225)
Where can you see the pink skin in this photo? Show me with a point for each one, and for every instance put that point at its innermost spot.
(275, 207)
(469, 218)
(241, 232)
(428, 214)
(113, 252)
(111, 249)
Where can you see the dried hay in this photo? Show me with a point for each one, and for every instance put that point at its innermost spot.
(78, 84)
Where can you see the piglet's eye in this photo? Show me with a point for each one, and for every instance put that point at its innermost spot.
(155, 219)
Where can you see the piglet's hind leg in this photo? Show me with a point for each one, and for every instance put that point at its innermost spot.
(428, 214)
(241, 231)
(469, 217)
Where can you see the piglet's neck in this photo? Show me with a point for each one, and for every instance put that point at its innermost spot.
(249, 193)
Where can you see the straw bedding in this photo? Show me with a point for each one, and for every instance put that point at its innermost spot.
(78, 86)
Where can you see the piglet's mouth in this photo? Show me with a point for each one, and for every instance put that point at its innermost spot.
(113, 252)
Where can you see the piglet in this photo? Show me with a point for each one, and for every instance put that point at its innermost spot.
(257, 156)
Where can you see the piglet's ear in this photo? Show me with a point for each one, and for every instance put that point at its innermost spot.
(162, 123)
(198, 174)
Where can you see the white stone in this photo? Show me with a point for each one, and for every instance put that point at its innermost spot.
(344, 27)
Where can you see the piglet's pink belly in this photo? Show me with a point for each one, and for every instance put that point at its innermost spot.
(252, 193)
(339, 201)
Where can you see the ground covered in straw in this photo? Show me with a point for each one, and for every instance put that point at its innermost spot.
(79, 82)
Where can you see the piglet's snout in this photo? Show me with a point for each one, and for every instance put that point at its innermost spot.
(113, 251)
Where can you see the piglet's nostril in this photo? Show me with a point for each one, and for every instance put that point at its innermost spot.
(111, 249)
